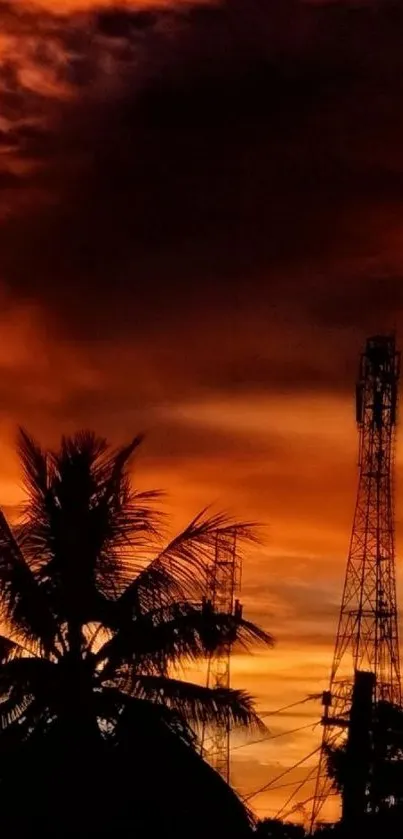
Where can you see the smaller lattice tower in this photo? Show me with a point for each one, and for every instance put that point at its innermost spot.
(223, 589)
(366, 662)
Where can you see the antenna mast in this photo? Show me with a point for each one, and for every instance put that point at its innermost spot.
(223, 586)
(366, 663)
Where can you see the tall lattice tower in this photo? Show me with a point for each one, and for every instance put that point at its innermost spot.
(223, 588)
(366, 663)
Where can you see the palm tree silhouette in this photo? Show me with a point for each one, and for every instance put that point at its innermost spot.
(90, 710)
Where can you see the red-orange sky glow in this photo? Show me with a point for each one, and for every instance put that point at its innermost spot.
(201, 220)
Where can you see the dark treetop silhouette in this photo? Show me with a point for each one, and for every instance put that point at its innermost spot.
(96, 735)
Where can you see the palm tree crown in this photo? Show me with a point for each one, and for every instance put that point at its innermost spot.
(94, 625)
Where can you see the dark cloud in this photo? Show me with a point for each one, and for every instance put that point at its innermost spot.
(123, 23)
(208, 171)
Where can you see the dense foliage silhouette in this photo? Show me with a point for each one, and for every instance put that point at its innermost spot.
(385, 784)
(97, 736)
(277, 829)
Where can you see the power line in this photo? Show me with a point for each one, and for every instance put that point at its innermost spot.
(296, 791)
(291, 705)
(282, 774)
(273, 736)
(283, 786)
(302, 804)
(273, 713)
(299, 804)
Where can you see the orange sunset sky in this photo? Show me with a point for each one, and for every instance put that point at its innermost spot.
(201, 220)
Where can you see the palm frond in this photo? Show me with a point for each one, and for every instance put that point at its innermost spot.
(30, 675)
(181, 632)
(197, 704)
(22, 603)
(55, 513)
(15, 728)
(130, 526)
(118, 462)
(33, 531)
(179, 570)
(85, 443)
(126, 520)
(10, 649)
(34, 462)
(188, 554)
(13, 709)
(86, 521)
(24, 681)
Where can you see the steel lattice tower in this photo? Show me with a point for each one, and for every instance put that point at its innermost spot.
(223, 586)
(367, 636)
